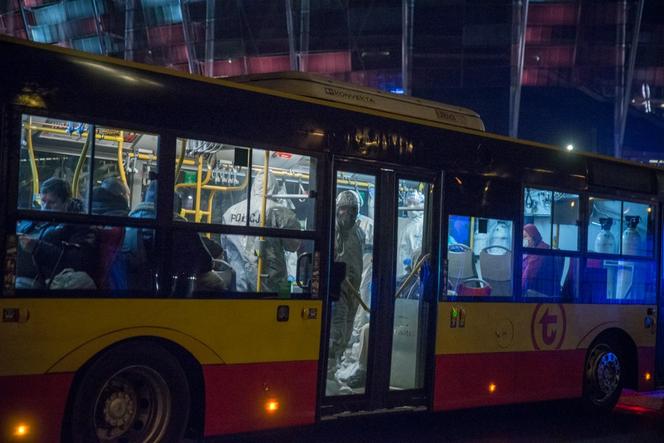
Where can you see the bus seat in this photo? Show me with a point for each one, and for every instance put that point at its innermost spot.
(459, 264)
(496, 267)
(110, 241)
(475, 287)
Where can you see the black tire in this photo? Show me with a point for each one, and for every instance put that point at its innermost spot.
(132, 393)
(604, 376)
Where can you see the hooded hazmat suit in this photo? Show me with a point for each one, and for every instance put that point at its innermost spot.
(242, 251)
(348, 248)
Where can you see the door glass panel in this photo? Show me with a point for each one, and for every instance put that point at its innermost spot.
(350, 319)
(411, 276)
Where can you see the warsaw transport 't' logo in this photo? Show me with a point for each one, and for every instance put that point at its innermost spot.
(548, 326)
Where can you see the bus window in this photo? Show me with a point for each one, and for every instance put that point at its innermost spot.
(74, 256)
(479, 256)
(556, 216)
(123, 161)
(620, 281)
(545, 275)
(637, 234)
(620, 227)
(216, 186)
(213, 265)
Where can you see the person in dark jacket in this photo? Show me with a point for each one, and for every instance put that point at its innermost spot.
(190, 258)
(46, 248)
(111, 198)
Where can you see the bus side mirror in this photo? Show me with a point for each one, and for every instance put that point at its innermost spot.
(337, 276)
(303, 271)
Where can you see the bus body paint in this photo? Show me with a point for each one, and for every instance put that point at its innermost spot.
(236, 396)
(37, 400)
(462, 381)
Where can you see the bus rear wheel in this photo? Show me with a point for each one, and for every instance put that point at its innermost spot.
(603, 376)
(133, 393)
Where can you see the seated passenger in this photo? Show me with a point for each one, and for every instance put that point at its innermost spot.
(46, 248)
(536, 269)
(111, 198)
(191, 261)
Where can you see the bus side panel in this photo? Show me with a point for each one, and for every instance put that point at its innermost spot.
(646, 356)
(470, 380)
(527, 351)
(465, 380)
(549, 375)
(36, 401)
(237, 396)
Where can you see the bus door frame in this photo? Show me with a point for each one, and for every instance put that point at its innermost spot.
(377, 393)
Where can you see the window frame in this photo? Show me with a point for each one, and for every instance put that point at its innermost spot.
(315, 234)
(163, 225)
(603, 196)
(579, 221)
(552, 253)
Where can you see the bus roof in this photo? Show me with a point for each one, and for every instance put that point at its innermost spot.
(322, 88)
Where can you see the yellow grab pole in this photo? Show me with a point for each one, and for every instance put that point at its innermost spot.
(209, 208)
(123, 174)
(33, 161)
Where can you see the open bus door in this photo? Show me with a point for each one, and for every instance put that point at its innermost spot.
(380, 320)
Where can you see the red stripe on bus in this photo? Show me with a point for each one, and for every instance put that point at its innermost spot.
(236, 396)
(37, 401)
(646, 366)
(470, 380)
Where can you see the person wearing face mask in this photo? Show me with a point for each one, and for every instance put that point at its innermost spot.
(46, 248)
(241, 251)
(348, 249)
(536, 269)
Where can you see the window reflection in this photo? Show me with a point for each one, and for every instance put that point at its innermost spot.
(620, 281)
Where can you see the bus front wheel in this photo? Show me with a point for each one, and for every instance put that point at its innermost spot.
(133, 393)
(604, 373)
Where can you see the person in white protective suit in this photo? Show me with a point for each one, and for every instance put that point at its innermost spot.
(410, 240)
(242, 251)
(348, 249)
(353, 372)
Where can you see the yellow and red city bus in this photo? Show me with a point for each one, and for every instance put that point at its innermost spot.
(177, 260)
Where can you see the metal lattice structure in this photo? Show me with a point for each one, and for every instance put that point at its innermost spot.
(610, 50)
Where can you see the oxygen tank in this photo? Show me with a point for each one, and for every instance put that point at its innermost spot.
(605, 242)
(631, 239)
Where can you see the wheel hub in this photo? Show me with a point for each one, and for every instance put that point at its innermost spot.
(608, 372)
(119, 409)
